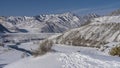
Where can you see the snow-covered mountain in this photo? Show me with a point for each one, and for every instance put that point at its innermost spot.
(42, 23)
(115, 13)
(99, 32)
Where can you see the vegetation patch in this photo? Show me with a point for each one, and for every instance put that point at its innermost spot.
(115, 51)
(45, 47)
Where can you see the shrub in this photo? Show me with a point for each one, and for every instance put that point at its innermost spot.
(44, 48)
(1, 44)
(115, 51)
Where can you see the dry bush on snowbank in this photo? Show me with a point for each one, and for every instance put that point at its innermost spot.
(45, 47)
(115, 51)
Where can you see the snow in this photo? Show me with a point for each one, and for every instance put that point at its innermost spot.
(77, 60)
(103, 33)
(23, 45)
(46, 61)
(109, 47)
(22, 36)
(10, 56)
(106, 19)
(69, 57)
(31, 46)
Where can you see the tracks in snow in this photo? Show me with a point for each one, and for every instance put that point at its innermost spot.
(77, 60)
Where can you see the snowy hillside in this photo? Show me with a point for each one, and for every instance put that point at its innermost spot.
(12, 52)
(69, 57)
(16, 46)
(3, 29)
(100, 32)
(41, 23)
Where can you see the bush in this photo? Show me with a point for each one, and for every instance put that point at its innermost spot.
(115, 51)
(1, 44)
(44, 48)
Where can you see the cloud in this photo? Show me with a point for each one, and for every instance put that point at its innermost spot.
(100, 10)
(76, 11)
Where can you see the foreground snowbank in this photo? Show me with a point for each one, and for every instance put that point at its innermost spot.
(69, 57)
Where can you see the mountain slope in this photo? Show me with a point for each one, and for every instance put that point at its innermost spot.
(3, 29)
(99, 32)
(115, 13)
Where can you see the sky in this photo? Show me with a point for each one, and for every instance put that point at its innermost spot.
(37, 7)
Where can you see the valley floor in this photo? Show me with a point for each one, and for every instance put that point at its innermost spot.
(69, 57)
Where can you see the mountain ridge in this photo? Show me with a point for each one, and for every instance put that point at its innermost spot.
(52, 23)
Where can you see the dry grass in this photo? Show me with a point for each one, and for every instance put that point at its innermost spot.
(1, 44)
(45, 47)
(115, 51)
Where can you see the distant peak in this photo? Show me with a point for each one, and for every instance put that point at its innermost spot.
(92, 15)
(56, 15)
(115, 13)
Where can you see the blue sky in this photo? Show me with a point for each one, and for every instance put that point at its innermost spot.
(36, 7)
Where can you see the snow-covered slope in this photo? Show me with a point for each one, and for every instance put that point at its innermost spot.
(10, 53)
(106, 20)
(99, 32)
(69, 57)
(3, 29)
(42, 23)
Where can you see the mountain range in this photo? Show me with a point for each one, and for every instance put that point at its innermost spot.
(52, 23)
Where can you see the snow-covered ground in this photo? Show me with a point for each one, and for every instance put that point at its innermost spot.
(9, 55)
(19, 45)
(69, 57)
